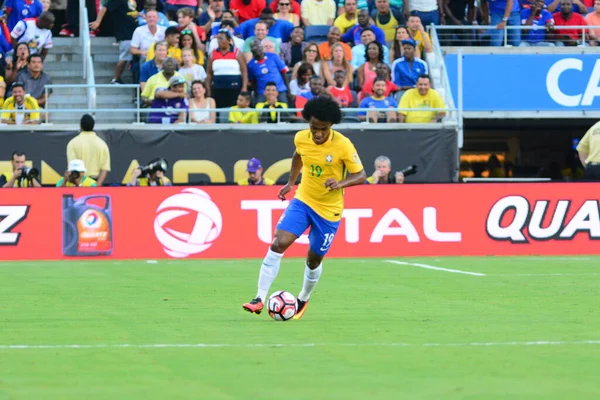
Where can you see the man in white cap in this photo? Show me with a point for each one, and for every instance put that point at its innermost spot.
(255, 177)
(75, 176)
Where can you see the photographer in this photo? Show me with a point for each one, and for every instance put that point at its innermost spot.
(22, 176)
(383, 172)
(75, 176)
(152, 174)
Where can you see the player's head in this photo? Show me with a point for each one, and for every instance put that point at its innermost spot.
(87, 123)
(254, 170)
(322, 113)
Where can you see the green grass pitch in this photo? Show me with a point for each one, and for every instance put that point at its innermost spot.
(528, 329)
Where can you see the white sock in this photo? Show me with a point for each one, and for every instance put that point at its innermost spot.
(311, 277)
(268, 272)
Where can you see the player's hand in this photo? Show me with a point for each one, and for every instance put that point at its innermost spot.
(17, 173)
(332, 184)
(283, 191)
(94, 25)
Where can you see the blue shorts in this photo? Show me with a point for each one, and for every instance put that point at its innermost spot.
(297, 217)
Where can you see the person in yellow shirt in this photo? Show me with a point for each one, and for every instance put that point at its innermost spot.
(173, 51)
(75, 176)
(422, 97)
(21, 175)
(2, 90)
(329, 163)
(160, 80)
(417, 32)
(152, 174)
(348, 19)
(588, 150)
(239, 117)
(13, 107)
(255, 176)
(91, 149)
(271, 96)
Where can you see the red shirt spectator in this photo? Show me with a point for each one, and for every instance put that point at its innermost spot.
(247, 11)
(295, 7)
(575, 19)
(342, 95)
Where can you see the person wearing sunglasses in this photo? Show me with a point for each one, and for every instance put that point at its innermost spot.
(284, 12)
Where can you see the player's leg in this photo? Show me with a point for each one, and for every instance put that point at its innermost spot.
(291, 225)
(321, 236)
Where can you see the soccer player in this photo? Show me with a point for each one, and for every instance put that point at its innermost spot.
(323, 156)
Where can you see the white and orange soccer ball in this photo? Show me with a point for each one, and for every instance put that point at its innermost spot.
(282, 305)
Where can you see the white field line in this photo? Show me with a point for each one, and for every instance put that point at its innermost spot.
(454, 271)
(292, 345)
(550, 274)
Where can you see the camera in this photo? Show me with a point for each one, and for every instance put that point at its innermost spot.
(158, 164)
(29, 173)
(410, 170)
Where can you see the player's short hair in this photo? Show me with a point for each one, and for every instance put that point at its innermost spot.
(87, 123)
(323, 108)
(383, 158)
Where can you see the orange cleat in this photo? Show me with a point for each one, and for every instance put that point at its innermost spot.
(255, 306)
(302, 306)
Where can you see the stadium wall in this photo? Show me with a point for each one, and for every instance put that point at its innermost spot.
(237, 222)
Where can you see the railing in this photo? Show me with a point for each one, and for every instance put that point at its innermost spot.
(88, 62)
(474, 33)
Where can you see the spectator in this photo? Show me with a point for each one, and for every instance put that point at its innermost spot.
(145, 36)
(170, 100)
(243, 117)
(457, 15)
(200, 105)
(35, 79)
(295, 7)
(75, 176)
(292, 51)
(191, 71)
(353, 35)
(236, 41)
(150, 5)
(387, 19)
(396, 50)
(422, 97)
(373, 55)
(152, 67)
(302, 82)
(267, 68)
(278, 29)
(284, 12)
(45, 5)
(333, 37)
(36, 33)
(255, 176)
(271, 96)
(2, 90)
(341, 90)
(18, 10)
(418, 34)
(502, 13)
(123, 27)
(18, 178)
(19, 62)
(317, 12)
(268, 46)
(212, 16)
(171, 15)
(173, 51)
(347, 17)
(155, 177)
(185, 19)
(227, 16)
(593, 19)
(316, 88)
(338, 63)
(407, 69)
(247, 9)
(12, 110)
(566, 17)
(379, 100)
(428, 11)
(578, 6)
(536, 16)
(179, 4)
(311, 56)
(359, 52)
(186, 41)
(90, 149)
(383, 172)
(588, 151)
(71, 28)
(227, 72)
(381, 71)
(260, 33)
(160, 80)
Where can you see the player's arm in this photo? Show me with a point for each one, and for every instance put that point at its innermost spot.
(294, 172)
(351, 180)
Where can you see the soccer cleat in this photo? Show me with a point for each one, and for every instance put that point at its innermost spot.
(302, 306)
(254, 306)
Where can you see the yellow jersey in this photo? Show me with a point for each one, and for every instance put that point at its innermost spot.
(590, 144)
(343, 23)
(172, 52)
(144, 182)
(413, 99)
(85, 182)
(29, 103)
(238, 117)
(264, 181)
(320, 162)
(24, 182)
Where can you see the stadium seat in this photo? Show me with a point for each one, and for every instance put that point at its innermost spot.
(316, 33)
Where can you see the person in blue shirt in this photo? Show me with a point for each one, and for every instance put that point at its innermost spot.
(264, 68)
(279, 29)
(21, 9)
(539, 17)
(378, 100)
(316, 88)
(364, 21)
(406, 70)
(502, 13)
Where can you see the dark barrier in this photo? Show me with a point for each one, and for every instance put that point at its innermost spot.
(220, 156)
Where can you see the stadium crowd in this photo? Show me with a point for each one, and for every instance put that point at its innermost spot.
(240, 54)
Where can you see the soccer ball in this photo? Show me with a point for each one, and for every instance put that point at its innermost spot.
(282, 305)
